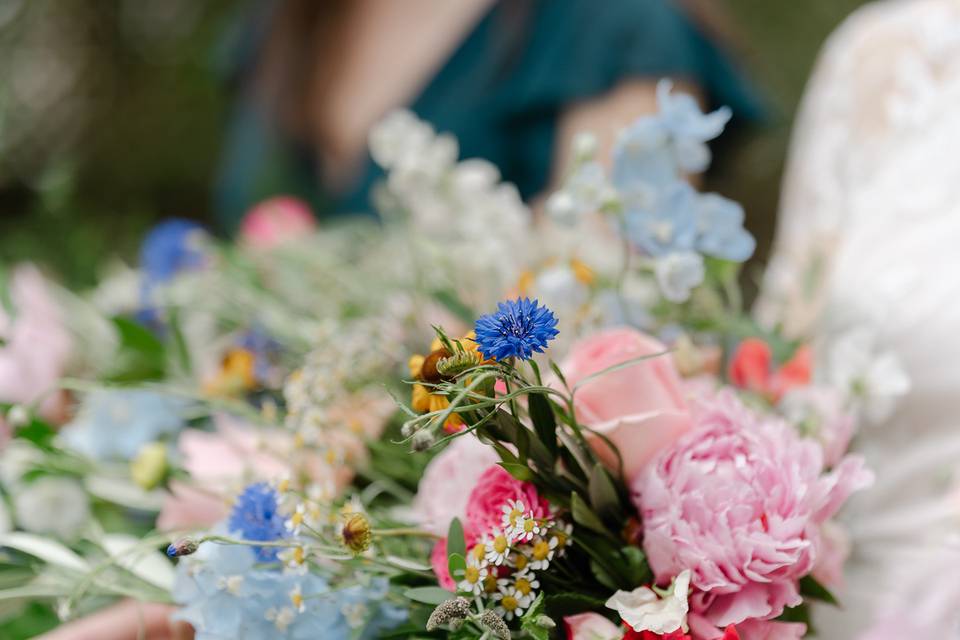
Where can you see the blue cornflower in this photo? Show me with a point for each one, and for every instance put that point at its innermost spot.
(255, 517)
(517, 330)
(172, 246)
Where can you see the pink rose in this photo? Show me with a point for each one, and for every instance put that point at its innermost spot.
(494, 489)
(448, 481)
(276, 221)
(591, 626)
(740, 501)
(35, 347)
(640, 408)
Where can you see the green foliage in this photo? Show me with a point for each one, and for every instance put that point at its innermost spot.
(141, 355)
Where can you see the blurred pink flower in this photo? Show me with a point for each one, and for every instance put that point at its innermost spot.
(832, 555)
(35, 347)
(640, 408)
(740, 501)
(591, 626)
(276, 221)
(447, 482)
(770, 630)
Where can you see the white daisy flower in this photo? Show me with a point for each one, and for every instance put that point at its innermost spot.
(542, 553)
(497, 548)
(510, 603)
(473, 577)
(296, 598)
(512, 511)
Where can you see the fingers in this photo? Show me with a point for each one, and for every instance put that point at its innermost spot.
(126, 620)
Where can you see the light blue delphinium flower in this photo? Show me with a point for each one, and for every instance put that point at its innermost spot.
(255, 517)
(659, 148)
(720, 231)
(226, 593)
(114, 424)
(518, 329)
(668, 224)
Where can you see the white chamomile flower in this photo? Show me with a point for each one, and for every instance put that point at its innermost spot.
(281, 618)
(512, 511)
(525, 585)
(473, 577)
(230, 584)
(510, 603)
(527, 528)
(497, 548)
(295, 522)
(542, 553)
(296, 598)
(294, 560)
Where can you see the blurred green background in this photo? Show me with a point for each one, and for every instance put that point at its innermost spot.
(112, 111)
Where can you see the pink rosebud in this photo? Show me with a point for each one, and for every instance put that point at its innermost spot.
(740, 501)
(276, 221)
(640, 408)
(591, 626)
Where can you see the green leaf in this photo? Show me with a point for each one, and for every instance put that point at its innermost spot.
(603, 494)
(519, 471)
(141, 354)
(455, 540)
(558, 373)
(811, 588)
(456, 564)
(561, 605)
(544, 421)
(603, 576)
(529, 623)
(39, 433)
(584, 516)
(428, 595)
(635, 566)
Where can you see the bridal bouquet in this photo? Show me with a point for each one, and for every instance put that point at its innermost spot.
(593, 441)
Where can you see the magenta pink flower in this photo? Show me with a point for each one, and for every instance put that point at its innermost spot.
(494, 489)
(276, 221)
(740, 501)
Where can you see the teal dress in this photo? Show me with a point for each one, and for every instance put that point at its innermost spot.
(501, 97)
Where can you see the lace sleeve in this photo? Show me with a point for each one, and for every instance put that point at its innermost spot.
(870, 77)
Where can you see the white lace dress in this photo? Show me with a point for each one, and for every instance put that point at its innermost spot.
(869, 233)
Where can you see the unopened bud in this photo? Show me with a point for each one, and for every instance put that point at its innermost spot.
(495, 625)
(356, 533)
(545, 622)
(449, 611)
(182, 547)
(422, 440)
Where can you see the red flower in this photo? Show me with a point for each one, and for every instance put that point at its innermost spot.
(752, 368)
(630, 634)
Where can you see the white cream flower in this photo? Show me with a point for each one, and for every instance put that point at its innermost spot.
(875, 378)
(643, 610)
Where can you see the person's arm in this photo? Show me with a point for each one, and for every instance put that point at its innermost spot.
(126, 620)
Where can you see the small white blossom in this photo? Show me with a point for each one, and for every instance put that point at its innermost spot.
(281, 618)
(876, 379)
(643, 610)
(678, 274)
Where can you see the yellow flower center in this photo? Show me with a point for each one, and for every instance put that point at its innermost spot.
(500, 544)
(541, 550)
(509, 603)
(528, 526)
(296, 519)
(490, 584)
(516, 513)
(523, 586)
(296, 599)
(520, 562)
(299, 555)
(478, 551)
(472, 575)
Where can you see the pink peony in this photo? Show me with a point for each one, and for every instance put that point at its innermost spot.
(35, 346)
(494, 489)
(770, 630)
(276, 221)
(640, 408)
(447, 482)
(740, 501)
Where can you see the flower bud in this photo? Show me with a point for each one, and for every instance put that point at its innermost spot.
(183, 547)
(495, 625)
(356, 533)
(149, 467)
(450, 612)
(422, 440)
